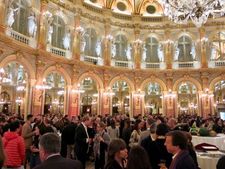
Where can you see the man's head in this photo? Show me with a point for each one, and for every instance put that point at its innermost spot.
(14, 126)
(175, 141)
(49, 144)
(86, 120)
(30, 118)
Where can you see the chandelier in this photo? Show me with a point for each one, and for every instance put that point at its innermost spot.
(180, 11)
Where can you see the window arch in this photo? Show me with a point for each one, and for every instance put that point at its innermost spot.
(21, 13)
(218, 47)
(58, 32)
(121, 47)
(91, 40)
(151, 49)
(185, 49)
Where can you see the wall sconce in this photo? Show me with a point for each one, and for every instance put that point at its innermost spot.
(61, 92)
(56, 102)
(207, 94)
(78, 90)
(44, 86)
(109, 93)
(20, 88)
(139, 93)
(95, 95)
(170, 94)
(2, 101)
(19, 100)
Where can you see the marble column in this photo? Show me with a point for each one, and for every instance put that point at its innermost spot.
(107, 44)
(43, 19)
(168, 48)
(77, 36)
(204, 60)
(137, 49)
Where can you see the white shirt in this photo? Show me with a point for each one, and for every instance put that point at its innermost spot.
(52, 155)
(85, 127)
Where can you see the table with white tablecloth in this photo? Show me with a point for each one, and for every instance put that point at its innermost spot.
(205, 162)
(218, 141)
(208, 159)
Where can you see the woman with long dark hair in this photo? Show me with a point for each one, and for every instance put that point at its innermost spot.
(138, 158)
(117, 155)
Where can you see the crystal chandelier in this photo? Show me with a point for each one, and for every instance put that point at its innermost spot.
(180, 11)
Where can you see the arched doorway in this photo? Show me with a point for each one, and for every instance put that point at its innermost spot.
(121, 98)
(219, 98)
(14, 89)
(88, 96)
(187, 98)
(153, 98)
(54, 94)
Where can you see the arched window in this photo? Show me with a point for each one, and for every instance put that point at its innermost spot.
(218, 47)
(121, 48)
(185, 49)
(21, 13)
(91, 40)
(151, 48)
(58, 32)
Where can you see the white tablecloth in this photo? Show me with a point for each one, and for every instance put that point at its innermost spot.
(218, 141)
(205, 162)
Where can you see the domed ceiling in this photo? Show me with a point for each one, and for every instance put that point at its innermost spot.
(129, 7)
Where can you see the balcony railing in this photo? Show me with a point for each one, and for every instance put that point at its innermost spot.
(148, 65)
(192, 64)
(60, 52)
(218, 63)
(92, 59)
(21, 38)
(119, 63)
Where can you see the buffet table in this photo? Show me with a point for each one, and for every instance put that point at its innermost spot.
(218, 141)
(208, 160)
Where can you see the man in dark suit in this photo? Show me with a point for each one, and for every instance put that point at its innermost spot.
(176, 143)
(49, 154)
(82, 140)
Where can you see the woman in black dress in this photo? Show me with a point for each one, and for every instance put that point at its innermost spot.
(117, 155)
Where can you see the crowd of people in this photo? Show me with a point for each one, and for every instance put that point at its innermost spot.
(110, 142)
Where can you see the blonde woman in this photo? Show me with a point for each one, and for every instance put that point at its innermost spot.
(135, 135)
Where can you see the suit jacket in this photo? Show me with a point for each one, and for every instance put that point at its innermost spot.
(157, 151)
(58, 162)
(27, 134)
(145, 143)
(144, 134)
(113, 165)
(81, 145)
(183, 161)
